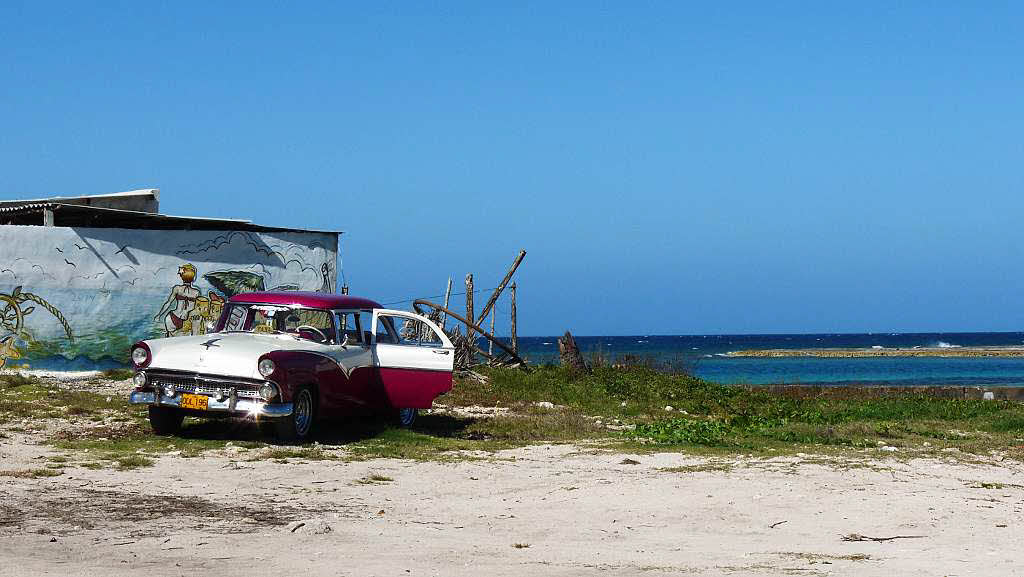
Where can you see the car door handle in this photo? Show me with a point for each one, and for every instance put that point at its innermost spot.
(441, 352)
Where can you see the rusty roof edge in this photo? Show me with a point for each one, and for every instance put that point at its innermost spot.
(142, 216)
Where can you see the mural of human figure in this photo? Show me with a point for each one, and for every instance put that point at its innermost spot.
(182, 300)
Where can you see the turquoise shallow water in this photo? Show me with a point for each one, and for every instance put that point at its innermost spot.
(702, 355)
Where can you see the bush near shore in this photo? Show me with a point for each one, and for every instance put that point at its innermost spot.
(681, 410)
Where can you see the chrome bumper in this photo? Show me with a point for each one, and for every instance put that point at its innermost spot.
(243, 407)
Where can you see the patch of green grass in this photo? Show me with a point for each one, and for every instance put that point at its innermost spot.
(374, 479)
(125, 462)
(418, 446)
(118, 374)
(699, 468)
(32, 473)
(15, 380)
(281, 454)
(550, 426)
(30, 398)
(731, 418)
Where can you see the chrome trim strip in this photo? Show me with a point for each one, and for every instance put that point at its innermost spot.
(246, 406)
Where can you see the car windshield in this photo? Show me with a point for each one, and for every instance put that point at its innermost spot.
(311, 324)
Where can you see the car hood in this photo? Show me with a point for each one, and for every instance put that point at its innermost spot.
(224, 354)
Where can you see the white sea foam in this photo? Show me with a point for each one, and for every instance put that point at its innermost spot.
(877, 347)
(945, 345)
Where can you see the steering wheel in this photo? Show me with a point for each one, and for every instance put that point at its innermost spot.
(300, 328)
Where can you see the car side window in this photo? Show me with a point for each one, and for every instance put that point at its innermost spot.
(350, 323)
(385, 330)
(409, 331)
(236, 318)
(315, 318)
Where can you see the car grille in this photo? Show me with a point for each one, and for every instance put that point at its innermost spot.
(209, 386)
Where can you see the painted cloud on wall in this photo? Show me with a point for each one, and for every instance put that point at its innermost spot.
(114, 285)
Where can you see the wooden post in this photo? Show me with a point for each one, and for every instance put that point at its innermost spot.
(512, 337)
(47, 218)
(447, 294)
(490, 344)
(501, 286)
(469, 309)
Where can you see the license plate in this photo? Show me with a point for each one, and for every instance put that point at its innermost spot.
(198, 402)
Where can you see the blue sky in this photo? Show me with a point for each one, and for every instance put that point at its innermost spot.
(670, 167)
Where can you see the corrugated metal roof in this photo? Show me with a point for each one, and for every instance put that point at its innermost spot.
(71, 215)
(33, 207)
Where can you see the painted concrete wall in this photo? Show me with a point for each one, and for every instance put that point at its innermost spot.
(79, 297)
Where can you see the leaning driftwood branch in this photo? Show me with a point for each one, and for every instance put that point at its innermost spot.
(515, 358)
(501, 287)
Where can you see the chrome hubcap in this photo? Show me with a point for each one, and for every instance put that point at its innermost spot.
(406, 416)
(303, 413)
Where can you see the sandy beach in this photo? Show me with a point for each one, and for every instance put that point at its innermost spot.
(545, 510)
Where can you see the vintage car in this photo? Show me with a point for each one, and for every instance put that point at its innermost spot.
(290, 358)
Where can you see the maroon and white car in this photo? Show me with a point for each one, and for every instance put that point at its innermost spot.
(290, 358)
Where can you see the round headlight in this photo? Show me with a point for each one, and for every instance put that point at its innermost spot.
(139, 356)
(139, 379)
(169, 391)
(267, 367)
(268, 391)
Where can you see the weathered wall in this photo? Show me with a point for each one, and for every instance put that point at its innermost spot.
(79, 297)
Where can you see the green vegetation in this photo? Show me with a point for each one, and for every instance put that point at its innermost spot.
(32, 473)
(635, 408)
(118, 374)
(730, 418)
(374, 479)
(30, 398)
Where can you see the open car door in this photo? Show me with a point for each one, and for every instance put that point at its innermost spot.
(413, 358)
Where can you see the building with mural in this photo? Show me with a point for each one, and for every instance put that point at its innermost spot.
(83, 278)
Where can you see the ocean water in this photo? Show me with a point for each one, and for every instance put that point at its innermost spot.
(702, 356)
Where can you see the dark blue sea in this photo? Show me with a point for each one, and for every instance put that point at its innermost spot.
(702, 356)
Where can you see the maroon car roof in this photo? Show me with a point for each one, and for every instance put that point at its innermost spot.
(306, 299)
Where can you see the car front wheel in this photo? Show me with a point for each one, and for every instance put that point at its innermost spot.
(165, 420)
(406, 417)
(298, 426)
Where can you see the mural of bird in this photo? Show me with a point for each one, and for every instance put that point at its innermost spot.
(232, 282)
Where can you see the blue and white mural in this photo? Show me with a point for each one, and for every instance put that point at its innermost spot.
(79, 297)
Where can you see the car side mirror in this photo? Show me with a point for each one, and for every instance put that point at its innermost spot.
(344, 341)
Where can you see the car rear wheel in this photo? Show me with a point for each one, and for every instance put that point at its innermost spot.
(406, 417)
(165, 420)
(298, 426)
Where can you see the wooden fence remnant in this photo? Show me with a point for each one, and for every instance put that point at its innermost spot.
(490, 341)
(447, 295)
(501, 287)
(512, 336)
(469, 308)
(509, 358)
